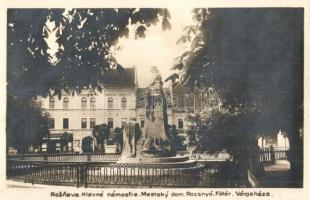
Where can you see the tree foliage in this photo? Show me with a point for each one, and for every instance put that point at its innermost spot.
(254, 59)
(251, 56)
(176, 139)
(86, 39)
(87, 144)
(223, 130)
(233, 132)
(101, 132)
(28, 64)
(27, 124)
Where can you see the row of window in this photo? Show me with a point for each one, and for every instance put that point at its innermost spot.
(92, 123)
(84, 103)
(65, 123)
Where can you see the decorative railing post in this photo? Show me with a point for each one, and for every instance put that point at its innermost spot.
(88, 158)
(272, 155)
(82, 170)
(78, 175)
(85, 172)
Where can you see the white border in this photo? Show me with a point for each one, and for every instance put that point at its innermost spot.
(35, 193)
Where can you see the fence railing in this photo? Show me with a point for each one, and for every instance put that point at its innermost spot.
(99, 174)
(270, 155)
(66, 157)
(267, 156)
(96, 157)
(89, 170)
(210, 157)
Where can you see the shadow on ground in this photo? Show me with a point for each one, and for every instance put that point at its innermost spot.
(278, 175)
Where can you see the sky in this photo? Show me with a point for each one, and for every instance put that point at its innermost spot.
(158, 48)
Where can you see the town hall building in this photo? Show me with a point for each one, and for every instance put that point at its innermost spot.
(120, 100)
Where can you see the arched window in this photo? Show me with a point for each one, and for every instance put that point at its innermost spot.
(52, 103)
(66, 103)
(110, 102)
(92, 103)
(124, 102)
(84, 103)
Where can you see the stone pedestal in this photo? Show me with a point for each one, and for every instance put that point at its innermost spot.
(162, 166)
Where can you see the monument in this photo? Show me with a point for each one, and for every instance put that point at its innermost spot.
(152, 142)
(152, 145)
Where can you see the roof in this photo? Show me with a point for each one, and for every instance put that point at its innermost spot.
(124, 77)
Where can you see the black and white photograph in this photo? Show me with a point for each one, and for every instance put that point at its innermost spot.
(177, 97)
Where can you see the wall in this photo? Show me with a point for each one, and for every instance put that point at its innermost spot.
(101, 112)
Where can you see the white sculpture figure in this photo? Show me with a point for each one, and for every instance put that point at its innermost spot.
(154, 141)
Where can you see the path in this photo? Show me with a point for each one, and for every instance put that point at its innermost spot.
(277, 175)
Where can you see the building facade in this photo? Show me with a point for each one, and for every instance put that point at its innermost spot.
(119, 101)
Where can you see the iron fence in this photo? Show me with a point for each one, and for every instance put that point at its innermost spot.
(104, 174)
(96, 157)
(91, 157)
(268, 156)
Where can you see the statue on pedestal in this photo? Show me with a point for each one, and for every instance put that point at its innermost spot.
(151, 146)
(154, 141)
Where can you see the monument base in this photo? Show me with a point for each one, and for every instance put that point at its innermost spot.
(154, 159)
(164, 166)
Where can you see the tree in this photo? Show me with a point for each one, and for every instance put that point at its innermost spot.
(27, 124)
(220, 130)
(27, 58)
(65, 138)
(254, 59)
(175, 138)
(87, 144)
(101, 133)
(86, 39)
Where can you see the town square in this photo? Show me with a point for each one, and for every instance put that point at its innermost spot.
(156, 98)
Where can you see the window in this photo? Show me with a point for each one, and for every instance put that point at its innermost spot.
(180, 123)
(52, 103)
(65, 123)
(124, 120)
(66, 103)
(124, 102)
(83, 122)
(158, 100)
(189, 102)
(110, 122)
(92, 122)
(84, 103)
(51, 124)
(110, 102)
(92, 103)
(142, 123)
